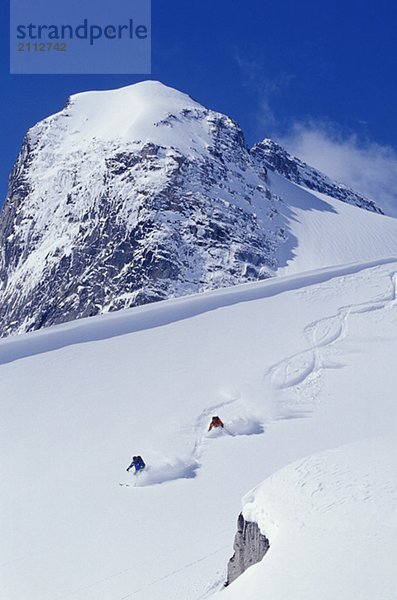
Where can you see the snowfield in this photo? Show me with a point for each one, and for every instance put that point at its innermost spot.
(301, 370)
(324, 232)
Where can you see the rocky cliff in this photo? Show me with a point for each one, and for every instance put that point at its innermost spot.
(250, 546)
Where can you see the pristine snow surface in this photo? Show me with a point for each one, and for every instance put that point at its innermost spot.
(302, 371)
(323, 231)
(130, 114)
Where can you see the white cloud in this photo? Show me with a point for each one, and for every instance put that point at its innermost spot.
(367, 167)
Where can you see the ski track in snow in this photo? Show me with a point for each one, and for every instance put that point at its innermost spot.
(298, 373)
(211, 588)
(301, 372)
(187, 469)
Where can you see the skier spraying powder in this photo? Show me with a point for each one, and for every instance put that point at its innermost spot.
(216, 422)
(137, 462)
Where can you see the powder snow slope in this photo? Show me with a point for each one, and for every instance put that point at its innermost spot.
(295, 367)
(325, 232)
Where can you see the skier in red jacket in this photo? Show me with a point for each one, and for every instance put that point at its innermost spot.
(216, 422)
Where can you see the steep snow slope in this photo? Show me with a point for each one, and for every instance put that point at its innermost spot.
(294, 366)
(323, 231)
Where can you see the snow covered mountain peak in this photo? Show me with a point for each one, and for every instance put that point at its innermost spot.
(146, 112)
(126, 197)
(139, 194)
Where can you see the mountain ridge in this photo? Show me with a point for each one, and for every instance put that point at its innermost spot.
(279, 160)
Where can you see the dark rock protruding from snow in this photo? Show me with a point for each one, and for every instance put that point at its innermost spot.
(268, 153)
(250, 546)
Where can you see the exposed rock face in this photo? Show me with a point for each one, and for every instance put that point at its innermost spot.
(250, 546)
(96, 221)
(277, 159)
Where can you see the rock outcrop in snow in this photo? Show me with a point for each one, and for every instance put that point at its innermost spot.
(331, 519)
(250, 546)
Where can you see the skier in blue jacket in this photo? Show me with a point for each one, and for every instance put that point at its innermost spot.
(137, 462)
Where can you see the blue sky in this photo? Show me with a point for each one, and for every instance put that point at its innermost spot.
(319, 76)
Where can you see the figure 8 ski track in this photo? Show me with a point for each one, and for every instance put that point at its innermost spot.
(300, 372)
(294, 381)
